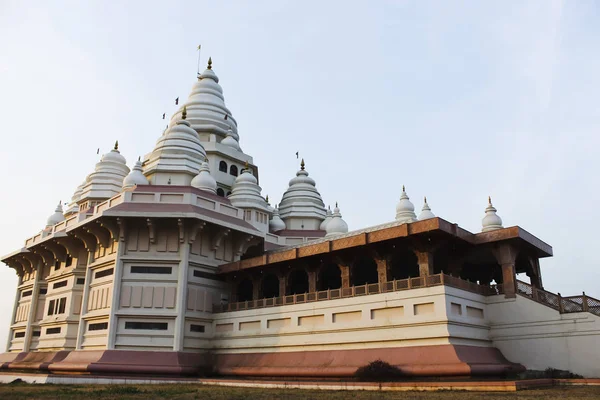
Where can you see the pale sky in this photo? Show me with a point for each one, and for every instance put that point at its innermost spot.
(455, 100)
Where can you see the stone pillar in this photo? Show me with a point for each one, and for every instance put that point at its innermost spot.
(282, 285)
(256, 288)
(345, 276)
(312, 280)
(382, 270)
(179, 332)
(11, 333)
(509, 280)
(425, 259)
(506, 255)
(536, 275)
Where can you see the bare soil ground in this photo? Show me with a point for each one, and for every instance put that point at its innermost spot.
(193, 391)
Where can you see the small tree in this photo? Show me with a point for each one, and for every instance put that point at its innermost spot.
(378, 371)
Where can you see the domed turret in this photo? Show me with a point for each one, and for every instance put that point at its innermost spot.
(276, 224)
(206, 108)
(405, 210)
(135, 177)
(491, 221)
(301, 205)
(107, 179)
(204, 180)
(73, 207)
(177, 156)
(56, 217)
(326, 220)
(230, 141)
(426, 211)
(337, 225)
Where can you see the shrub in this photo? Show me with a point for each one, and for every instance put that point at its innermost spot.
(377, 371)
(560, 374)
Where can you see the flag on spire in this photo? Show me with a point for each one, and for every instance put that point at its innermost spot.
(296, 155)
(163, 115)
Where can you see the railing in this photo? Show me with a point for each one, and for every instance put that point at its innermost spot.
(564, 305)
(362, 290)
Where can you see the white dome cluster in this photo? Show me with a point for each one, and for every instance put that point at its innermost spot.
(107, 179)
(56, 217)
(301, 205)
(405, 210)
(491, 221)
(204, 180)
(231, 141)
(136, 176)
(336, 225)
(276, 224)
(328, 217)
(425, 211)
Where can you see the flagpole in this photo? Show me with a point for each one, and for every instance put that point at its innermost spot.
(198, 72)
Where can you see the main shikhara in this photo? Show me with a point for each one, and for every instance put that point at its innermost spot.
(181, 266)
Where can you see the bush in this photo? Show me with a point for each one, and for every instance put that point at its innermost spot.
(378, 371)
(560, 374)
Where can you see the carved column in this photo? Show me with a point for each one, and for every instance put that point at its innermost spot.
(282, 284)
(345, 269)
(506, 255)
(256, 288)
(535, 276)
(425, 260)
(382, 270)
(33, 306)
(312, 280)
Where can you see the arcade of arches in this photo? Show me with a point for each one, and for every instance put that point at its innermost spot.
(484, 265)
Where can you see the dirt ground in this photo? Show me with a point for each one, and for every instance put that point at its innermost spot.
(193, 391)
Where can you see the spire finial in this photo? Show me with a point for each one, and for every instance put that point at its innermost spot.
(425, 199)
(117, 145)
(209, 63)
(139, 158)
(403, 189)
(246, 166)
(490, 200)
(336, 205)
(184, 113)
(267, 199)
(302, 164)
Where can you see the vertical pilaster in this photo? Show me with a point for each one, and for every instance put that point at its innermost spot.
(256, 288)
(509, 280)
(282, 285)
(184, 257)
(14, 313)
(33, 307)
(114, 305)
(84, 299)
(312, 280)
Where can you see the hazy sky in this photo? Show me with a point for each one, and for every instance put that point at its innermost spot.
(455, 100)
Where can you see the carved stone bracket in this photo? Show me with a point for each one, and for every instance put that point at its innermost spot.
(218, 238)
(196, 228)
(90, 241)
(112, 227)
(73, 245)
(60, 253)
(181, 227)
(122, 229)
(102, 235)
(151, 230)
(46, 255)
(244, 244)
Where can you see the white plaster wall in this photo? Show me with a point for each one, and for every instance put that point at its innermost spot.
(540, 337)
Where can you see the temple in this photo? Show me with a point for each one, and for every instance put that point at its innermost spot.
(179, 265)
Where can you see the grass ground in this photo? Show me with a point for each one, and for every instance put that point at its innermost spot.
(192, 391)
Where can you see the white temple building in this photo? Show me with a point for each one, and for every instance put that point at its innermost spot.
(179, 265)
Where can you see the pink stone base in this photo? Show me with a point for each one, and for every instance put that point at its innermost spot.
(443, 361)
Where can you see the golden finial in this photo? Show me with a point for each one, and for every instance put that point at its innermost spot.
(425, 198)
(404, 190)
(184, 113)
(117, 145)
(302, 164)
(139, 158)
(490, 200)
(336, 206)
(246, 166)
(209, 63)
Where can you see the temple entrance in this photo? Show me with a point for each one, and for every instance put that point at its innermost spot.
(298, 282)
(404, 264)
(270, 286)
(364, 271)
(244, 290)
(330, 277)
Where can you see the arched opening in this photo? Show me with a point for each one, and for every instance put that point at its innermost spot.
(223, 166)
(220, 192)
(228, 193)
(270, 286)
(404, 264)
(244, 290)
(364, 271)
(253, 251)
(330, 277)
(298, 282)
(233, 170)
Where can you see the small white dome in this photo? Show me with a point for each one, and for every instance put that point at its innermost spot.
(327, 219)
(204, 180)
(245, 192)
(426, 212)
(56, 217)
(491, 221)
(276, 224)
(405, 210)
(114, 155)
(336, 225)
(135, 177)
(230, 141)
